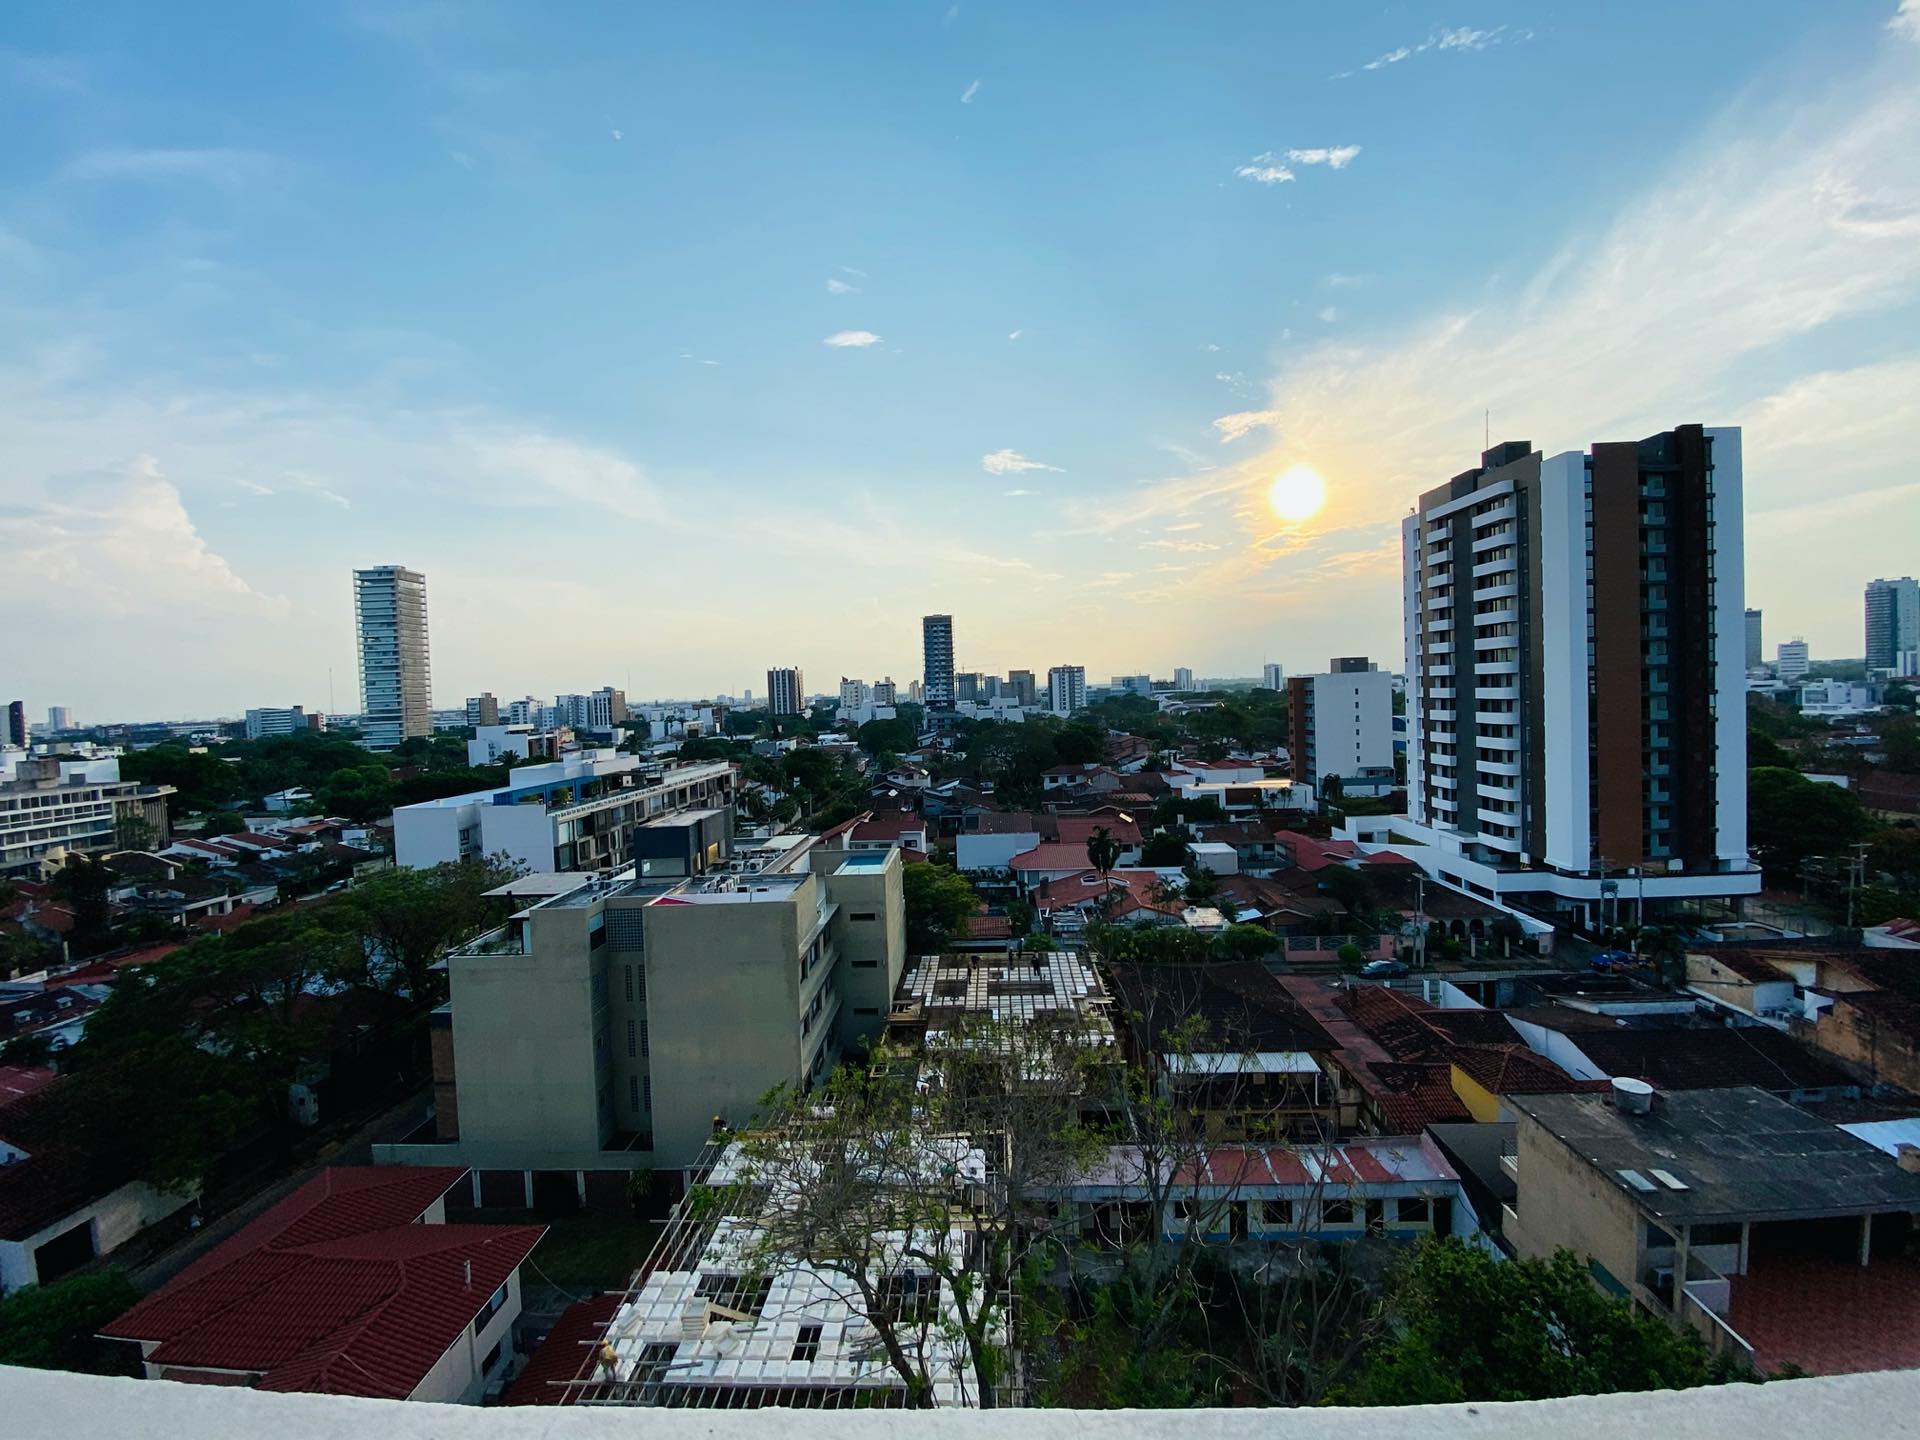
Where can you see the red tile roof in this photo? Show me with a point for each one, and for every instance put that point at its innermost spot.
(564, 1354)
(1078, 829)
(1052, 855)
(228, 922)
(888, 825)
(1829, 1315)
(19, 1081)
(336, 1289)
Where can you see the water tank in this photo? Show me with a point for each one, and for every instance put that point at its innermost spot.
(1632, 1097)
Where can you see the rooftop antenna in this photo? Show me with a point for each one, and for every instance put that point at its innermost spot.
(1486, 433)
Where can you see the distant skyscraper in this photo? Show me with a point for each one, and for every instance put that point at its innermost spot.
(1273, 676)
(1575, 676)
(885, 691)
(1182, 678)
(396, 686)
(1023, 687)
(483, 709)
(1893, 626)
(1133, 684)
(1067, 689)
(966, 686)
(17, 723)
(936, 638)
(1791, 662)
(263, 724)
(1755, 653)
(854, 694)
(786, 691)
(59, 717)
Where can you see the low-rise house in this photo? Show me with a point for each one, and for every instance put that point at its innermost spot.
(1778, 1236)
(353, 1285)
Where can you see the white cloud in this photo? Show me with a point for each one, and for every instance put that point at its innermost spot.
(851, 339)
(1462, 38)
(1234, 427)
(220, 165)
(966, 96)
(1015, 334)
(857, 274)
(1906, 20)
(836, 286)
(1336, 158)
(618, 134)
(953, 14)
(1012, 462)
(1014, 494)
(1264, 170)
(121, 545)
(1180, 547)
(1329, 314)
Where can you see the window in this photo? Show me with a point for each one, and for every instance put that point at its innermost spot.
(807, 1347)
(645, 1047)
(1183, 1209)
(633, 1092)
(1276, 1212)
(633, 1040)
(867, 964)
(493, 1357)
(629, 970)
(646, 1091)
(745, 1293)
(866, 1010)
(863, 916)
(1336, 1212)
(490, 1309)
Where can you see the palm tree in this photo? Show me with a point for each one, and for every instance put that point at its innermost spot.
(1103, 851)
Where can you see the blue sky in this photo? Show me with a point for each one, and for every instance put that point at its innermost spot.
(541, 303)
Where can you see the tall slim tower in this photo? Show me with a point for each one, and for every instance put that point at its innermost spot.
(17, 723)
(936, 637)
(396, 691)
(1893, 626)
(786, 691)
(1575, 668)
(1756, 655)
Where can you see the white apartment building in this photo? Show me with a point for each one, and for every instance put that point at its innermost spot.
(885, 692)
(1067, 689)
(1340, 724)
(1575, 632)
(1182, 678)
(390, 615)
(786, 691)
(1133, 685)
(1273, 676)
(1792, 662)
(266, 722)
(52, 805)
(577, 813)
(854, 695)
(604, 709)
(1836, 700)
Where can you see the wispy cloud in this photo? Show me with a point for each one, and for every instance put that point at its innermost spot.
(953, 14)
(837, 286)
(1015, 334)
(618, 134)
(851, 339)
(55, 74)
(966, 95)
(1180, 547)
(220, 165)
(852, 270)
(1906, 21)
(1463, 38)
(1265, 170)
(1015, 494)
(1245, 422)
(1336, 158)
(1012, 462)
(1329, 314)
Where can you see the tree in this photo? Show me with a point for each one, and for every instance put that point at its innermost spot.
(1165, 850)
(83, 883)
(225, 822)
(1349, 956)
(1474, 1327)
(1790, 818)
(1243, 942)
(879, 737)
(1351, 888)
(1103, 851)
(57, 1326)
(1202, 884)
(400, 922)
(938, 904)
(1765, 753)
(363, 793)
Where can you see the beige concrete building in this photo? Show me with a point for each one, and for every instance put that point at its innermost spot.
(606, 1028)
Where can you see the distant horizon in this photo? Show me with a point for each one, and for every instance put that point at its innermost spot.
(666, 341)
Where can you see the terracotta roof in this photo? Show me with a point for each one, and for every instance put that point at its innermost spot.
(336, 1290)
(1052, 855)
(228, 922)
(563, 1355)
(1506, 1070)
(888, 825)
(989, 927)
(1078, 829)
(19, 1081)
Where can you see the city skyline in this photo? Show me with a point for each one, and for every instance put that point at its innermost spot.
(1164, 385)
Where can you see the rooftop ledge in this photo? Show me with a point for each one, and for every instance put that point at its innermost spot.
(89, 1407)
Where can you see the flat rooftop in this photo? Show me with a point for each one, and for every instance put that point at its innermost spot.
(1707, 1155)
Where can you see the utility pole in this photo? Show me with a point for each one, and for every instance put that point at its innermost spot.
(1856, 877)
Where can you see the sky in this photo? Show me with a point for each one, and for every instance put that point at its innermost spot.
(676, 341)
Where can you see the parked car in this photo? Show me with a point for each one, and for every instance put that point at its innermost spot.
(1383, 969)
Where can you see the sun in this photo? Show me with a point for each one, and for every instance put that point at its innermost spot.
(1297, 494)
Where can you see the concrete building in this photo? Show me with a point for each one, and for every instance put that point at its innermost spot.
(53, 806)
(577, 813)
(1756, 652)
(1067, 689)
(1765, 1228)
(1792, 661)
(885, 692)
(786, 692)
(1273, 676)
(17, 723)
(1837, 700)
(1182, 678)
(390, 616)
(610, 1026)
(1893, 626)
(483, 709)
(854, 694)
(1133, 685)
(605, 709)
(1022, 687)
(936, 644)
(263, 723)
(966, 687)
(1575, 674)
(1340, 724)
(60, 717)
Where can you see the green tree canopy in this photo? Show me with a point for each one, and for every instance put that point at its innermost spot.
(1165, 849)
(55, 1327)
(1790, 817)
(1244, 942)
(939, 902)
(1475, 1327)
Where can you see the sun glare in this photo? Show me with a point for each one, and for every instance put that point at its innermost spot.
(1297, 494)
